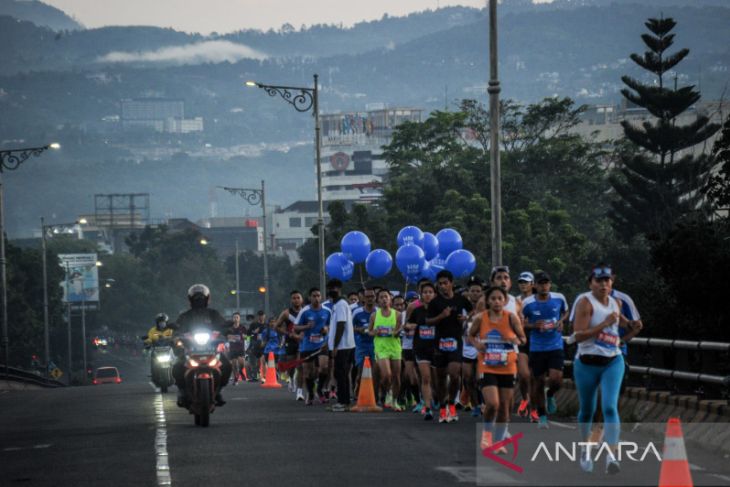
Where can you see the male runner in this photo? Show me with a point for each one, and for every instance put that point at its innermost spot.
(314, 321)
(285, 326)
(543, 315)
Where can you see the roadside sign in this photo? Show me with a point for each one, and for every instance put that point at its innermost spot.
(56, 373)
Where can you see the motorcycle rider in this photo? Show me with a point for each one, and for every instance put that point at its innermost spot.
(199, 314)
(158, 332)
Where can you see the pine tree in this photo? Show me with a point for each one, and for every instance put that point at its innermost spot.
(657, 184)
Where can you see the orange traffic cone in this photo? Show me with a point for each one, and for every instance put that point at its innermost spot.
(675, 467)
(366, 393)
(271, 382)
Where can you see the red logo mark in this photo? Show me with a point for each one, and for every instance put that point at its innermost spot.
(489, 452)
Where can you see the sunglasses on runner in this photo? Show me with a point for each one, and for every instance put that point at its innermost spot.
(601, 273)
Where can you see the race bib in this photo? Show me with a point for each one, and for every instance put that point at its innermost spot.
(384, 331)
(495, 356)
(608, 340)
(448, 345)
(315, 338)
(234, 338)
(427, 332)
(549, 325)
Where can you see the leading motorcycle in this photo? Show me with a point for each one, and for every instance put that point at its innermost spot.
(162, 359)
(202, 349)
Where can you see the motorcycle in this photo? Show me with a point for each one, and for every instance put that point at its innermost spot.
(202, 349)
(162, 359)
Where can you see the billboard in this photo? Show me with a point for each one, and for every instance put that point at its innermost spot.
(81, 284)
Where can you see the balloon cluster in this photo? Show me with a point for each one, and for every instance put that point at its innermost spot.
(420, 255)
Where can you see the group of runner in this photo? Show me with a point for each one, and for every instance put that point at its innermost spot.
(442, 349)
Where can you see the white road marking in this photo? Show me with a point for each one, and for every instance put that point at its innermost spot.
(563, 425)
(163, 466)
(696, 468)
(721, 477)
(34, 447)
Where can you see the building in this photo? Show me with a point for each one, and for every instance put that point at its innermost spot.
(293, 224)
(353, 166)
(159, 115)
(223, 233)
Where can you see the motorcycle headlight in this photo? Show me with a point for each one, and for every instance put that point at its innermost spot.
(164, 358)
(201, 338)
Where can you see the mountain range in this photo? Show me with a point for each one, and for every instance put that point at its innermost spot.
(60, 81)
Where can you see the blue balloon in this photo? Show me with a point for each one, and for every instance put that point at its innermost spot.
(437, 263)
(449, 241)
(429, 272)
(338, 266)
(410, 260)
(378, 263)
(410, 235)
(461, 263)
(430, 245)
(356, 246)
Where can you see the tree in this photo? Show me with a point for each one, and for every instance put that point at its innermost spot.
(717, 189)
(658, 184)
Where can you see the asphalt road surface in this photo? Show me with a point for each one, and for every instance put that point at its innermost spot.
(129, 434)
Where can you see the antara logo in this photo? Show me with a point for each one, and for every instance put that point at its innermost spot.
(624, 450)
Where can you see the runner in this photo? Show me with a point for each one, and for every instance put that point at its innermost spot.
(543, 315)
(475, 291)
(236, 336)
(272, 342)
(424, 345)
(525, 282)
(385, 324)
(496, 333)
(364, 346)
(353, 299)
(313, 321)
(255, 351)
(599, 362)
(409, 391)
(448, 311)
(285, 326)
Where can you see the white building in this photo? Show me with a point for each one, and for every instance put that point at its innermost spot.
(293, 224)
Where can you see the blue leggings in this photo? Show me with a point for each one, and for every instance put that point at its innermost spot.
(587, 380)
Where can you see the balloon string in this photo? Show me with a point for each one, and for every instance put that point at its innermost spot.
(362, 282)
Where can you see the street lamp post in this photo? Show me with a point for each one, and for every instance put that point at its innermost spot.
(238, 280)
(494, 89)
(10, 160)
(303, 101)
(255, 196)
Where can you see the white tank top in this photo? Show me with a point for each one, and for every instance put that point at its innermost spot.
(607, 342)
(406, 341)
(511, 305)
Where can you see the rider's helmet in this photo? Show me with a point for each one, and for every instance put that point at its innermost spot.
(161, 321)
(198, 295)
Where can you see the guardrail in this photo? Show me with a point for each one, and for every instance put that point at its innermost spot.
(700, 368)
(19, 375)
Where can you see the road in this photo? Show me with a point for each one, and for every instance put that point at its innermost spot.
(129, 434)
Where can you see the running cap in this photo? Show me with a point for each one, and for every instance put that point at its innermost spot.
(542, 277)
(526, 277)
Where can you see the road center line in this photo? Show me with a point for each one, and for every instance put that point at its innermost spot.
(163, 465)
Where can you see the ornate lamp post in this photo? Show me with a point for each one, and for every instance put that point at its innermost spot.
(303, 99)
(10, 160)
(254, 196)
(494, 90)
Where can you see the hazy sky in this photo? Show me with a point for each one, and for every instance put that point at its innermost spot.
(222, 16)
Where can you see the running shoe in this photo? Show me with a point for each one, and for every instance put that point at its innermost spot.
(475, 413)
(308, 402)
(398, 407)
(612, 465)
(333, 395)
(524, 410)
(323, 399)
(467, 407)
(427, 414)
(534, 418)
(442, 415)
(339, 408)
(453, 416)
(586, 463)
(552, 405)
(418, 407)
(412, 404)
(543, 423)
(388, 401)
(300, 395)
(486, 440)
